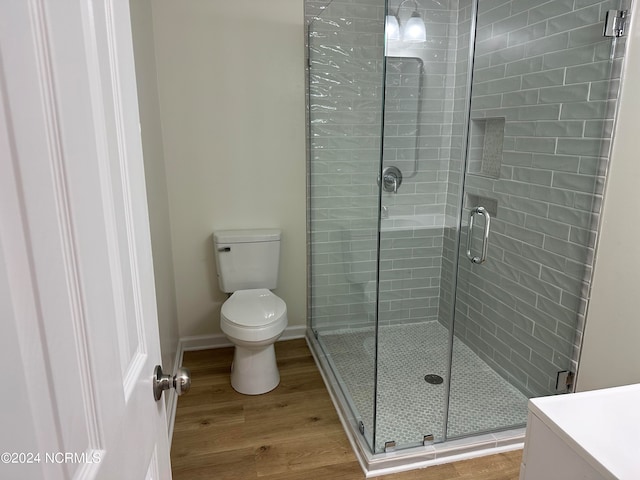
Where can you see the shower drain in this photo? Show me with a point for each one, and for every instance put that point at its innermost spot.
(433, 379)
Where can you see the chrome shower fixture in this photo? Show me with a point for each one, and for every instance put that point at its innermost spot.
(391, 179)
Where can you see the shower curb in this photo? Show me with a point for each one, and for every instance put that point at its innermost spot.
(416, 457)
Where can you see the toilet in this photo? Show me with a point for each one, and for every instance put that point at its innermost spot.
(253, 317)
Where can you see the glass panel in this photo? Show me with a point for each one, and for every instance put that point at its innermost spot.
(346, 45)
(413, 323)
(545, 82)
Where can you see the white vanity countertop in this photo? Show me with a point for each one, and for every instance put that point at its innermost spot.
(602, 426)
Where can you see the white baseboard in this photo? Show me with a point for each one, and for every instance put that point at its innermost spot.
(219, 340)
(206, 342)
(172, 403)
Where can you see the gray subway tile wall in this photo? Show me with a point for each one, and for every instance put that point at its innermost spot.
(417, 111)
(542, 69)
(556, 145)
(346, 45)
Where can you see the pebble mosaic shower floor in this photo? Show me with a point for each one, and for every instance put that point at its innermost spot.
(410, 408)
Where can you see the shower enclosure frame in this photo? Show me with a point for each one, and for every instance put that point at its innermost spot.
(391, 461)
(430, 454)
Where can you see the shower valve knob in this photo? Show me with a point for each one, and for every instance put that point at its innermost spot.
(391, 179)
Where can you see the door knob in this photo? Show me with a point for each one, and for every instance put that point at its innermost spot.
(181, 381)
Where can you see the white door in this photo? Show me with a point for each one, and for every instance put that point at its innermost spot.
(78, 326)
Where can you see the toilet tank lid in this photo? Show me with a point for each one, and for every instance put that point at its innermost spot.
(247, 235)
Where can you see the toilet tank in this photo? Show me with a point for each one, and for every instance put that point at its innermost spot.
(247, 259)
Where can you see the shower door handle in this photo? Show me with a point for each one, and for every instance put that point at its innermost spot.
(485, 234)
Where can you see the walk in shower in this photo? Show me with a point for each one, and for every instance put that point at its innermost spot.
(454, 193)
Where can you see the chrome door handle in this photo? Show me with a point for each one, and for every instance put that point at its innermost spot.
(181, 381)
(485, 235)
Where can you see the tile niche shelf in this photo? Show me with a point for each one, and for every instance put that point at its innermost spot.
(487, 140)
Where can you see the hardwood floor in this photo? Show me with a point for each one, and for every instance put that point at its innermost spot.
(290, 433)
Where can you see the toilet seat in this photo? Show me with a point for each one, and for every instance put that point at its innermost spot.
(253, 315)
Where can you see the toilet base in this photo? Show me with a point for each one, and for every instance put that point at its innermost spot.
(254, 370)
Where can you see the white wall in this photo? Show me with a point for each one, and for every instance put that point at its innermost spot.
(231, 89)
(151, 129)
(610, 353)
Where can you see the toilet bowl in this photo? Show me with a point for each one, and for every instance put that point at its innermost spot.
(253, 320)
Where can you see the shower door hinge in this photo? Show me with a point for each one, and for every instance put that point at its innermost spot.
(315, 333)
(428, 440)
(564, 381)
(361, 427)
(389, 446)
(615, 23)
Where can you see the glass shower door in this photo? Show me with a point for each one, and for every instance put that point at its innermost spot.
(544, 90)
(419, 141)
